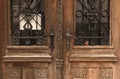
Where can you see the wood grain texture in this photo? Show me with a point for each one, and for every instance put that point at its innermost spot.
(27, 71)
(80, 62)
(85, 70)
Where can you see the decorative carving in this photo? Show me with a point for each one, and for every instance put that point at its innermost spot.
(15, 73)
(106, 73)
(59, 31)
(59, 63)
(59, 26)
(95, 72)
(80, 73)
(41, 73)
(29, 71)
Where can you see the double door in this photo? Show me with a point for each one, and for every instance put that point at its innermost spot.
(56, 39)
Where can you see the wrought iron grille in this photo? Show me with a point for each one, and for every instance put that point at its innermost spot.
(27, 22)
(92, 22)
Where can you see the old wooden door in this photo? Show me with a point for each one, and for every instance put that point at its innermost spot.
(56, 39)
(27, 39)
(88, 40)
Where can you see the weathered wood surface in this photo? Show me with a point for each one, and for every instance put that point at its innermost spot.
(77, 63)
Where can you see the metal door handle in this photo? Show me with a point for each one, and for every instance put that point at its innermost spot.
(52, 35)
(68, 38)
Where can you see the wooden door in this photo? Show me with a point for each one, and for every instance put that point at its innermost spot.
(27, 39)
(88, 39)
(67, 47)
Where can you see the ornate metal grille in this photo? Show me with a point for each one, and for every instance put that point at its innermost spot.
(92, 22)
(27, 22)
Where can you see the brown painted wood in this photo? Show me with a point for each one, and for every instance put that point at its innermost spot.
(2, 33)
(79, 62)
(17, 61)
(86, 62)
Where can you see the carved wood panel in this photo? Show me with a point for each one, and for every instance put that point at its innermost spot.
(27, 71)
(106, 73)
(15, 73)
(41, 73)
(91, 72)
(79, 73)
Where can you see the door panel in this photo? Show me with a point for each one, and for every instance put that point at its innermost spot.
(27, 70)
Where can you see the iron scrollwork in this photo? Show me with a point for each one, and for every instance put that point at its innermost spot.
(27, 22)
(92, 22)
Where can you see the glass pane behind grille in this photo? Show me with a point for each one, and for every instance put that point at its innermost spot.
(92, 22)
(27, 22)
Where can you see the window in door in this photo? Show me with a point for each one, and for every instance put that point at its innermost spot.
(92, 22)
(27, 22)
